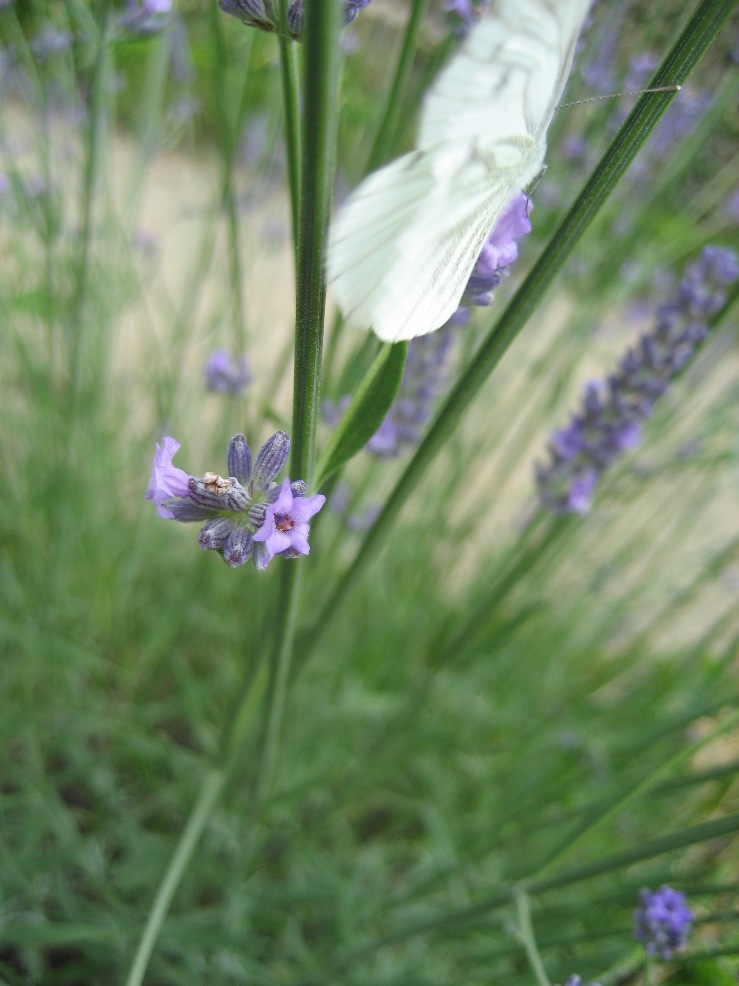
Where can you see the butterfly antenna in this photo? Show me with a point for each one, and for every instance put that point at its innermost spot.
(615, 95)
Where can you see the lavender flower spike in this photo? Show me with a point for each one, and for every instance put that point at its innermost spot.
(167, 481)
(225, 374)
(609, 420)
(499, 252)
(248, 515)
(662, 921)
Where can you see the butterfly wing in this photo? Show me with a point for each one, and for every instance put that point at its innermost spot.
(404, 245)
(423, 222)
(508, 75)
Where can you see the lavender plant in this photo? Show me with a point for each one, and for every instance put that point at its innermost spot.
(452, 747)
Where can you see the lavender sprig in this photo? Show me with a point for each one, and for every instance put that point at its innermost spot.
(662, 921)
(226, 374)
(609, 421)
(248, 515)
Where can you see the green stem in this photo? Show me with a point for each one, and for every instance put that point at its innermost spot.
(292, 577)
(209, 794)
(383, 145)
(226, 127)
(291, 109)
(695, 39)
(92, 168)
(526, 934)
(322, 59)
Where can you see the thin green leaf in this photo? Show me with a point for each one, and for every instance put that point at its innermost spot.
(365, 414)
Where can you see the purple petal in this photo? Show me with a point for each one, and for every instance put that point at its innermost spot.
(166, 481)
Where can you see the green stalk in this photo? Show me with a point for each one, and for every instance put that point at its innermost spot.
(228, 195)
(697, 36)
(92, 168)
(291, 109)
(526, 934)
(209, 794)
(385, 140)
(322, 60)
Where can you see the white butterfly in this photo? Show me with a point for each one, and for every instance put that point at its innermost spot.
(404, 245)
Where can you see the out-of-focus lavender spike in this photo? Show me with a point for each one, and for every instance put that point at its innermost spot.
(609, 420)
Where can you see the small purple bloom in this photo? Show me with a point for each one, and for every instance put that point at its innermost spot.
(662, 921)
(167, 481)
(225, 374)
(499, 252)
(285, 529)
(575, 980)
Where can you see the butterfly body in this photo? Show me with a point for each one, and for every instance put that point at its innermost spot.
(402, 248)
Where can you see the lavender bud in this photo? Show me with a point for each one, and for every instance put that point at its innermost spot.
(214, 534)
(257, 514)
(218, 493)
(239, 459)
(186, 510)
(298, 488)
(295, 17)
(238, 547)
(270, 461)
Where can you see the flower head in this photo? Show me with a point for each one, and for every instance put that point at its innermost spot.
(662, 921)
(285, 528)
(239, 510)
(166, 481)
(499, 251)
(226, 374)
(610, 416)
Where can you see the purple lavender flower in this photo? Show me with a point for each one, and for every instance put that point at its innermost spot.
(238, 511)
(609, 421)
(662, 921)
(285, 529)
(265, 14)
(166, 480)
(499, 252)
(226, 374)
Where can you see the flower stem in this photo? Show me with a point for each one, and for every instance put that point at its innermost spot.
(383, 145)
(526, 934)
(209, 794)
(322, 58)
